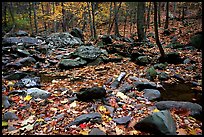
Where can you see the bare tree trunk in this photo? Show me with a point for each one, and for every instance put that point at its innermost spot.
(156, 32)
(30, 17)
(131, 21)
(35, 17)
(140, 21)
(54, 22)
(167, 16)
(90, 19)
(125, 21)
(4, 13)
(174, 7)
(93, 19)
(116, 20)
(159, 14)
(11, 13)
(148, 15)
(63, 18)
(43, 11)
(110, 15)
(84, 19)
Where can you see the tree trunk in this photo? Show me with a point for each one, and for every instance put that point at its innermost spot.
(30, 17)
(43, 11)
(148, 15)
(90, 19)
(131, 21)
(35, 18)
(84, 19)
(167, 16)
(63, 18)
(4, 13)
(140, 21)
(116, 20)
(125, 21)
(54, 21)
(93, 19)
(110, 15)
(174, 7)
(156, 32)
(159, 14)
(11, 13)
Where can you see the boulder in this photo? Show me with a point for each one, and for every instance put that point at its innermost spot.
(106, 39)
(10, 116)
(22, 62)
(143, 60)
(160, 66)
(21, 33)
(122, 120)
(5, 101)
(151, 94)
(38, 93)
(96, 131)
(85, 118)
(144, 85)
(25, 40)
(23, 53)
(173, 58)
(88, 52)
(71, 63)
(125, 88)
(15, 75)
(163, 76)
(158, 123)
(87, 94)
(28, 82)
(76, 32)
(196, 40)
(194, 108)
(151, 73)
(63, 39)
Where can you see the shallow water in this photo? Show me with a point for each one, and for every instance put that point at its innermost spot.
(181, 92)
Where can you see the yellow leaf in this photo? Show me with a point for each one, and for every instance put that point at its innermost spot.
(4, 123)
(134, 132)
(40, 120)
(192, 132)
(53, 109)
(27, 98)
(155, 110)
(84, 132)
(64, 101)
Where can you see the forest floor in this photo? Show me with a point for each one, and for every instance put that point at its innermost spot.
(33, 120)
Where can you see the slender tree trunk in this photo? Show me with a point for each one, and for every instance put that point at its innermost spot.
(85, 20)
(54, 21)
(167, 16)
(30, 17)
(131, 20)
(35, 17)
(63, 18)
(125, 21)
(5, 17)
(174, 7)
(90, 19)
(110, 15)
(11, 13)
(93, 19)
(148, 15)
(156, 32)
(43, 11)
(159, 14)
(140, 21)
(116, 20)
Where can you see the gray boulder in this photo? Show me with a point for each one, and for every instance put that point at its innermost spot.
(22, 62)
(76, 32)
(96, 131)
(38, 93)
(163, 76)
(21, 33)
(71, 63)
(196, 40)
(122, 120)
(23, 53)
(125, 88)
(25, 40)
(194, 108)
(10, 116)
(158, 123)
(88, 52)
(152, 94)
(15, 75)
(144, 85)
(85, 118)
(63, 39)
(143, 60)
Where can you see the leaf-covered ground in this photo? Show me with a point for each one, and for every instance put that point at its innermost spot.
(40, 117)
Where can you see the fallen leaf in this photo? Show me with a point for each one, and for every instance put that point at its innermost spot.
(28, 127)
(29, 120)
(121, 95)
(64, 101)
(73, 104)
(181, 131)
(4, 123)
(84, 132)
(134, 132)
(27, 98)
(132, 123)
(53, 109)
(83, 125)
(155, 110)
(40, 120)
(118, 131)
